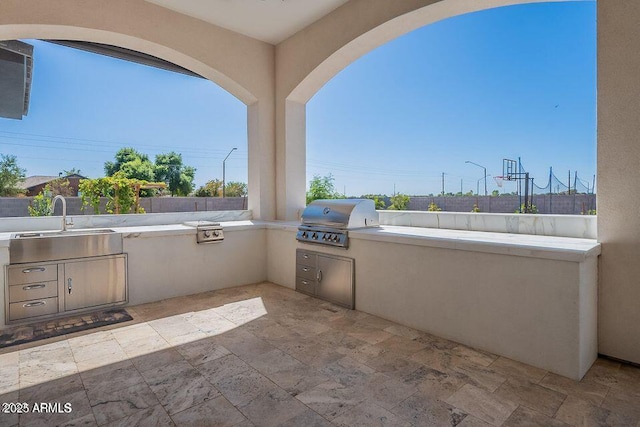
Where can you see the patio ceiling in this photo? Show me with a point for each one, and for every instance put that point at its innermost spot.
(271, 21)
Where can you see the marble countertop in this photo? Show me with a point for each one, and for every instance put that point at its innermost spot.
(560, 248)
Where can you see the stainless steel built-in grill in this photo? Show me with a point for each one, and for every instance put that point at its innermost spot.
(326, 222)
(207, 231)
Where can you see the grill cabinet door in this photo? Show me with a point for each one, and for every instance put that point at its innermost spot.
(335, 280)
(94, 282)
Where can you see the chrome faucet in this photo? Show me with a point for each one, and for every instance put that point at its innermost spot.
(64, 210)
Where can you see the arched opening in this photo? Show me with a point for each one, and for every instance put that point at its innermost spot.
(421, 113)
(207, 142)
(367, 32)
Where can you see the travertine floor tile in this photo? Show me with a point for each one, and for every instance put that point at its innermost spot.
(288, 359)
(624, 402)
(514, 369)
(111, 377)
(482, 404)
(524, 416)
(202, 351)
(156, 359)
(180, 389)
(110, 406)
(242, 388)
(53, 389)
(214, 412)
(473, 356)
(591, 392)
(151, 417)
(534, 396)
(423, 410)
(107, 349)
(272, 408)
(308, 418)
(603, 371)
(369, 414)
(224, 367)
(578, 412)
(331, 399)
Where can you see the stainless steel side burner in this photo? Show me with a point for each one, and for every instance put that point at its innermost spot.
(207, 231)
(326, 222)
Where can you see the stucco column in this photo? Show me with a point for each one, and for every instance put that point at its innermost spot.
(619, 177)
(291, 159)
(260, 135)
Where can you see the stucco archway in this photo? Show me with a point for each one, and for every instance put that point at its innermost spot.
(355, 29)
(239, 64)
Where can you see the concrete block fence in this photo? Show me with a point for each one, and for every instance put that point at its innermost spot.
(16, 207)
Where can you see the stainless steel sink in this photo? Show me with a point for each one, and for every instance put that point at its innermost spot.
(59, 245)
(38, 234)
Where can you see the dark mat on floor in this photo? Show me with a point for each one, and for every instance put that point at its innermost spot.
(56, 327)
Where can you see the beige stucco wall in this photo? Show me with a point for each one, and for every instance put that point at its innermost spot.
(276, 82)
(241, 65)
(619, 177)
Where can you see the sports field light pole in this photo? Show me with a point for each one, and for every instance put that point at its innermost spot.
(223, 171)
(485, 175)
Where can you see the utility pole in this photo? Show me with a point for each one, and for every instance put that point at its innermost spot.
(461, 192)
(593, 186)
(569, 186)
(224, 170)
(442, 184)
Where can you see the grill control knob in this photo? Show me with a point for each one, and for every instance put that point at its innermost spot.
(207, 233)
(314, 236)
(304, 234)
(216, 233)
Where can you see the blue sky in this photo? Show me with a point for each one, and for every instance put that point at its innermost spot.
(511, 82)
(503, 83)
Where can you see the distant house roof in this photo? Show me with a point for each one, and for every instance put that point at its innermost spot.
(34, 181)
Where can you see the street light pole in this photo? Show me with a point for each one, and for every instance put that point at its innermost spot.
(485, 175)
(224, 170)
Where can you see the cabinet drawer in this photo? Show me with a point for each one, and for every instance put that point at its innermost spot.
(305, 285)
(305, 258)
(305, 272)
(39, 307)
(32, 273)
(30, 291)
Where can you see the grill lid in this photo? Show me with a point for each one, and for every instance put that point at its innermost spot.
(342, 214)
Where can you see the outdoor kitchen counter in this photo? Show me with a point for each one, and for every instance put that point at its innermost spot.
(548, 247)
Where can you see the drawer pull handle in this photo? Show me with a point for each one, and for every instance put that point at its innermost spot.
(319, 276)
(34, 304)
(305, 269)
(31, 287)
(304, 282)
(69, 285)
(305, 256)
(33, 270)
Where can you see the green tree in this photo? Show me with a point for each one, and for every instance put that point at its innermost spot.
(10, 175)
(41, 205)
(235, 189)
(178, 177)
(399, 202)
(211, 188)
(132, 164)
(321, 187)
(72, 171)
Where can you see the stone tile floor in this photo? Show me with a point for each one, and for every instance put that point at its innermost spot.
(265, 355)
